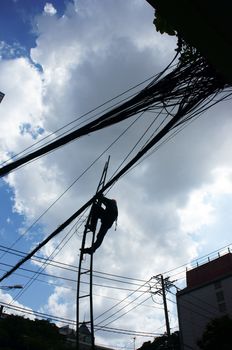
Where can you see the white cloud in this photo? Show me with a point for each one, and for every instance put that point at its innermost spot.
(92, 53)
(197, 213)
(49, 9)
(11, 51)
(57, 303)
(6, 298)
(200, 209)
(22, 86)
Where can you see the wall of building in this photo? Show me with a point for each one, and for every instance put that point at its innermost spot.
(197, 306)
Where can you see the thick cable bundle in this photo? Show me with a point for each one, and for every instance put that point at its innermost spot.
(179, 92)
(185, 92)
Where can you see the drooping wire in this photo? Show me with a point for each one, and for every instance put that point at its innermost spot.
(72, 184)
(120, 112)
(121, 301)
(123, 307)
(207, 85)
(84, 115)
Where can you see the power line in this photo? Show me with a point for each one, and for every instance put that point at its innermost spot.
(197, 306)
(124, 307)
(138, 103)
(111, 308)
(73, 280)
(82, 291)
(84, 172)
(126, 312)
(73, 268)
(73, 183)
(29, 284)
(84, 115)
(173, 86)
(72, 322)
(100, 123)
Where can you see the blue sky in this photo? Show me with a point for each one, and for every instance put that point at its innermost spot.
(17, 20)
(59, 60)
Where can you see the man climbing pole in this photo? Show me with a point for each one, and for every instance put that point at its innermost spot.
(107, 215)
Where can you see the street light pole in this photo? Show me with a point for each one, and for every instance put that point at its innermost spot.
(134, 339)
(16, 286)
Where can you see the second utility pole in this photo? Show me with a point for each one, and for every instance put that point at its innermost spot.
(165, 306)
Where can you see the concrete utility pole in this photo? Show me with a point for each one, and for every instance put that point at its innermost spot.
(165, 306)
(162, 286)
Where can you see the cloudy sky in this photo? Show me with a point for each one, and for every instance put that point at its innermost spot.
(59, 60)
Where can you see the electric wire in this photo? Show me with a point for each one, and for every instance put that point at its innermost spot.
(83, 115)
(72, 322)
(39, 271)
(101, 122)
(87, 113)
(192, 101)
(78, 178)
(126, 312)
(136, 144)
(95, 284)
(212, 253)
(72, 184)
(121, 301)
(144, 133)
(203, 315)
(172, 135)
(66, 266)
(74, 289)
(123, 307)
(73, 268)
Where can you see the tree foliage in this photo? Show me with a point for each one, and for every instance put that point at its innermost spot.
(163, 343)
(20, 333)
(162, 25)
(217, 335)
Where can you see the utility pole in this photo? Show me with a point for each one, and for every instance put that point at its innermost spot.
(165, 306)
(163, 285)
(134, 342)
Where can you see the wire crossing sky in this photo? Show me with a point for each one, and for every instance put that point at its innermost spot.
(171, 90)
(170, 169)
(199, 83)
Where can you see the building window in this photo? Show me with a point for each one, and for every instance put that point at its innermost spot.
(222, 307)
(217, 285)
(220, 296)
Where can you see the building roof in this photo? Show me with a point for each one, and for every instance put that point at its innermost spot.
(83, 329)
(1, 96)
(210, 271)
(217, 269)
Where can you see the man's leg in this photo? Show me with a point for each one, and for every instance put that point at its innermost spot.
(96, 214)
(100, 236)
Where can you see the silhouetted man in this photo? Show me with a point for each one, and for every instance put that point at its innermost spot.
(107, 217)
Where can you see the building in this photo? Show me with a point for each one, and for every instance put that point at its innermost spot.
(85, 337)
(1, 96)
(207, 296)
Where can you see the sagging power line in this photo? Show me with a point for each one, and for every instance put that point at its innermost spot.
(187, 97)
(71, 322)
(191, 78)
